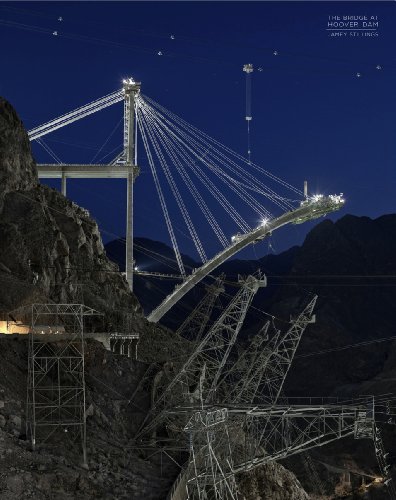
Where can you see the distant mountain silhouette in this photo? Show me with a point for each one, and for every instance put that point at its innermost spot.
(350, 264)
(155, 256)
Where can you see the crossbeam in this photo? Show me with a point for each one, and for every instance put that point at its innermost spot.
(80, 171)
(277, 432)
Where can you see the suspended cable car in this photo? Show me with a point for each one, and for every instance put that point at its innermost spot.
(248, 69)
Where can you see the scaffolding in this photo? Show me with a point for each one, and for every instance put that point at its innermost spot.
(56, 379)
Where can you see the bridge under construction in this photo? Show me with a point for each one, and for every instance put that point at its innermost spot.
(228, 412)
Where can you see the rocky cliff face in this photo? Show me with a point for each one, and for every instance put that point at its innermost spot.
(53, 471)
(17, 167)
(270, 482)
(50, 249)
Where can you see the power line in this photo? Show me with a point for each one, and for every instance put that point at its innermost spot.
(175, 37)
(349, 346)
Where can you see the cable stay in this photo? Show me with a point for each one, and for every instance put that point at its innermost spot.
(194, 173)
(212, 188)
(175, 191)
(49, 151)
(77, 114)
(209, 140)
(217, 161)
(173, 151)
(107, 140)
(168, 221)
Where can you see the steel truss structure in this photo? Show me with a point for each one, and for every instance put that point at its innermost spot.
(210, 471)
(123, 166)
(267, 362)
(261, 435)
(56, 379)
(199, 376)
(194, 326)
(229, 405)
(384, 465)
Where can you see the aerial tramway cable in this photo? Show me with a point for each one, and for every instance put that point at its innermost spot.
(248, 69)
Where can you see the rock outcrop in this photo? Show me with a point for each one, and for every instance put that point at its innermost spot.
(53, 471)
(271, 481)
(17, 167)
(50, 249)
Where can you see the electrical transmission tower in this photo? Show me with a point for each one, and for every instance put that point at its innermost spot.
(56, 379)
(195, 324)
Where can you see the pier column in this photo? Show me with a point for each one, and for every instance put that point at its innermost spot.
(131, 90)
(129, 232)
(63, 185)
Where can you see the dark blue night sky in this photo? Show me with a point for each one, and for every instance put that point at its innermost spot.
(313, 117)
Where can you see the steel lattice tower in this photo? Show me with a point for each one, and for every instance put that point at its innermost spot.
(198, 378)
(210, 469)
(193, 327)
(56, 379)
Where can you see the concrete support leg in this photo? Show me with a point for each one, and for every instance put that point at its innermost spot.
(63, 185)
(129, 232)
(115, 346)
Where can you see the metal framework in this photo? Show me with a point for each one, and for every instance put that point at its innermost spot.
(210, 471)
(195, 324)
(269, 432)
(56, 380)
(241, 382)
(261, 435)
(198, 378)
(274, 432)
(260, 371)
(382, 459)
(123, 166)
